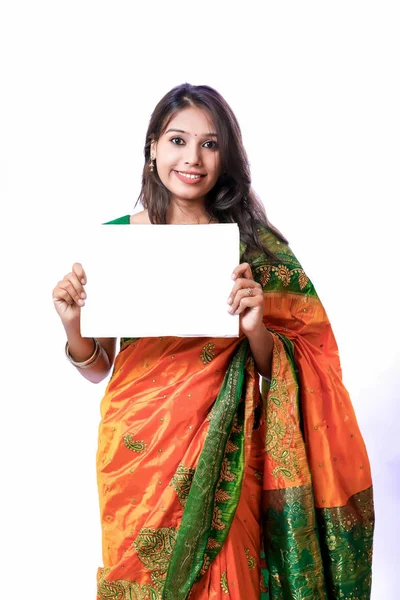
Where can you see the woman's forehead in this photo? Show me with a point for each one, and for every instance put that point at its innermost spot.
(192, 120)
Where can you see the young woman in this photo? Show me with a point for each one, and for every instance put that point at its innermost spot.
(212, 486)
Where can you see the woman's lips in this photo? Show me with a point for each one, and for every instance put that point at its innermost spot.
(190, 180)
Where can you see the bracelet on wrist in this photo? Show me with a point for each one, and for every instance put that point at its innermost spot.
(85, 364)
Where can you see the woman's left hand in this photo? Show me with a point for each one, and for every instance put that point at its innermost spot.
(246, 300)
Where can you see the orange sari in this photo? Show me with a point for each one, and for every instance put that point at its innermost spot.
(212, 488)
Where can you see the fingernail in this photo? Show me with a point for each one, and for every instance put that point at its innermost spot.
(234, 276)
(230, 300)
(83, 281)
(83, 295)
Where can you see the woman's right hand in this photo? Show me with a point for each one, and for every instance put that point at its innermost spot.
(69, 295)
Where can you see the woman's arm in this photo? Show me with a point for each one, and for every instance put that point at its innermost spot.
(247, 301)
(261, 345)
(80, 349)
(69, 296)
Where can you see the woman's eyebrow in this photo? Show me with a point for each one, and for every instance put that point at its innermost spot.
(203, 135)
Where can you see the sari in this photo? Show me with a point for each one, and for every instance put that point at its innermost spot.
(214, 484)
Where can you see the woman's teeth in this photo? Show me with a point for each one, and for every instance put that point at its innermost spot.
(190, 176)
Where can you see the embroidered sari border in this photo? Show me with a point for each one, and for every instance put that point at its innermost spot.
(189, 552)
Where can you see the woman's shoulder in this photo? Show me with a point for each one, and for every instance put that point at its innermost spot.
(270, 235)
(276, 248)
(140, 218)
(278, 269)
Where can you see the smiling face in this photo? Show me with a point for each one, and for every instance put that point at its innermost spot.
(187, 155)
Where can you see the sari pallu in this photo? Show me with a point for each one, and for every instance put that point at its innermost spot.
(200, 474)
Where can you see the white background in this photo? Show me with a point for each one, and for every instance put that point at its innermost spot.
(315, 87)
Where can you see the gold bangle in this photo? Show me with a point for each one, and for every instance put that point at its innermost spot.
(86, 363)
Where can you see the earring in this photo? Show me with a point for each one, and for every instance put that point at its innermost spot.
(152, 164)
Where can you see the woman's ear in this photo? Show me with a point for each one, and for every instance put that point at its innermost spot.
(153, 149)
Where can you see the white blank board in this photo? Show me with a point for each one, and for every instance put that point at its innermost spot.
(159, 280)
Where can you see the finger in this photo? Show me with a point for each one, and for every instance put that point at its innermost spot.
(242, 270)
(60, 293)
(80, 273)
(249, 302)
(67, 285)
(73, 278)
(244, 293)
(243, 284)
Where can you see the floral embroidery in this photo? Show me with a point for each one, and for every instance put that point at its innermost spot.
(224, 583)
(154, 548)
(222, 496)
(231, 447)
(206, 564)
(348, 532)
(124, 590)
(212, 544)
(135, 446)
(182, 481)
(226, 474)
(111, 589)
(303, 280)
(280, 430)
(291, 513)
(251, 561)
(264, 273)
(207, 353)
(216, 520)
(283, 273)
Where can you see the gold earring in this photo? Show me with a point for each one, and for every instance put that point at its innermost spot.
(152, 164)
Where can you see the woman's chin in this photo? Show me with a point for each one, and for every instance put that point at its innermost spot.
(192, 195)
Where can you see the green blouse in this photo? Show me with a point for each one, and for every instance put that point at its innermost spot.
(125, 220)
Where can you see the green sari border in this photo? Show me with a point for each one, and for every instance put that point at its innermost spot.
(189, 552)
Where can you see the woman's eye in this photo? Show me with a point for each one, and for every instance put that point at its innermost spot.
(213, 144)
(210, 144)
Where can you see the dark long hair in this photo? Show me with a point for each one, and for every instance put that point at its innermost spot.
(232, 199)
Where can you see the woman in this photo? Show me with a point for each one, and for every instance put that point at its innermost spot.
(211, 487)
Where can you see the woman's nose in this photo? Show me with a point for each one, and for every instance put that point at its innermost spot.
(192, 155)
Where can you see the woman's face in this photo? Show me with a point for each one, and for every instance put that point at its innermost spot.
(189, 146)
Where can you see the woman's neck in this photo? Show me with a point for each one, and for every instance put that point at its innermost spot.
(187, 213)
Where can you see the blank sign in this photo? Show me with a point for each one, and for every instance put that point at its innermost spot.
(159, 280)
